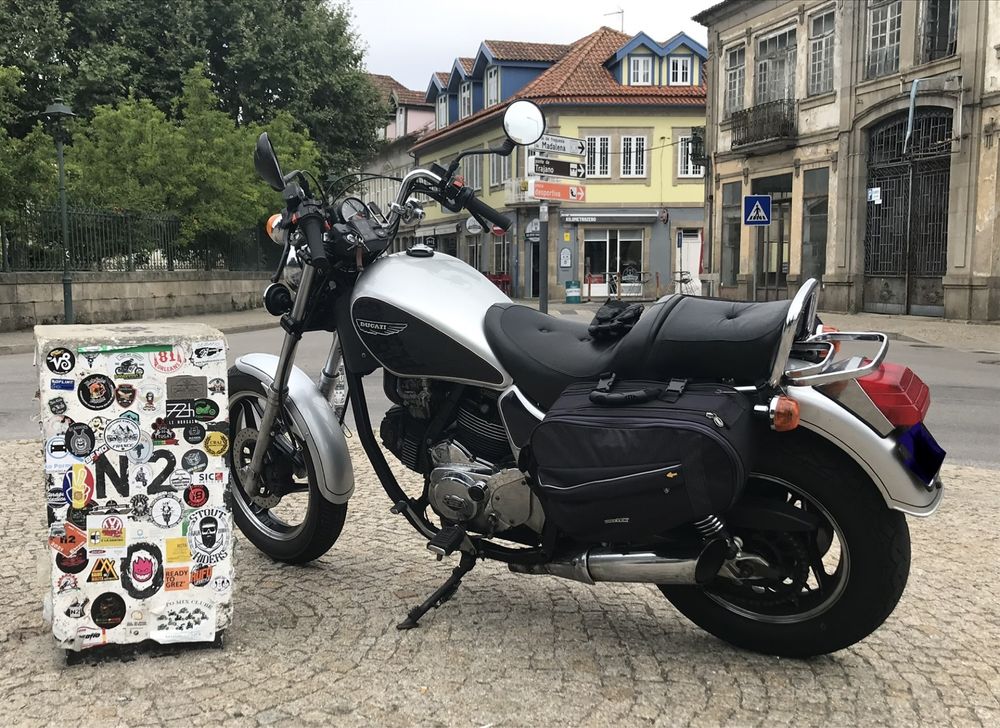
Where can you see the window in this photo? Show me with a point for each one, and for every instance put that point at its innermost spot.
(821, 53)
(400, 121)
(598, 148)
(640, 70)
(732, 225)
(633, 156)
(939, 29)
(883, 37)
(775, 78)
(815, 202)
(501, 254)
(465, 100)
(735, 75)
(505, 167)
(472, 170)
(685, 167)
(442, 111)
(475, 251)
(499, 169)
(680, 71)
(492, 85)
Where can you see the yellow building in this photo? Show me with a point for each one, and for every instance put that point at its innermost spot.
(634, 102)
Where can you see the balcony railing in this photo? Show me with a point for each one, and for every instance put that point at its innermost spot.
(767, 122)
(516, 192)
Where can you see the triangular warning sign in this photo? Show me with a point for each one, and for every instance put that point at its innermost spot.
(757, 213)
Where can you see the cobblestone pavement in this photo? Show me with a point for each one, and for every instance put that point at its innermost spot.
(317, 645)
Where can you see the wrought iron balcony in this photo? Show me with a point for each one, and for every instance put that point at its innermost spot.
(765, 124)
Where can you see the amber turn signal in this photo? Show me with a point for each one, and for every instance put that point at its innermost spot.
(784, 414)
(272, 229)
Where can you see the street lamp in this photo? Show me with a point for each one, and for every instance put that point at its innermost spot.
(56, 112)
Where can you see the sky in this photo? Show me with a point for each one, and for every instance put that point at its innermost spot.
(411, 40)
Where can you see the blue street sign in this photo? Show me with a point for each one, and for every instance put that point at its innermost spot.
(757, 209)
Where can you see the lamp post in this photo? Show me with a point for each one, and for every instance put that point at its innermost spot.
(56, 112)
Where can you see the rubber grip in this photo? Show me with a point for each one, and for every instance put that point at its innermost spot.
(477, 207)
(312, 228)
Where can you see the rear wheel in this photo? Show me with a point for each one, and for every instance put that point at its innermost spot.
(285, 516)
(837, 584)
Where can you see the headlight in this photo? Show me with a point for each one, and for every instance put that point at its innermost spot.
(291, 276)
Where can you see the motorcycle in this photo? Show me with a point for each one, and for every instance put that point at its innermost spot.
(724, 452)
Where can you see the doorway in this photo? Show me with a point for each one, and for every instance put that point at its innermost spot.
(533, 268)
(774, 240)
(613, 262)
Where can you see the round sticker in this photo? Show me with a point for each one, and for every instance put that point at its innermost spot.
(205, 410)
(142, 476)
(180, 480)
(78, 486)
(201, 575)
(126, 366)
(140, 507)
(60, 360)
(143, 449)
(142, 570)
(96, 391)
(151, 396)
(196, 495)
(194, 434)
(194, 461)
(125, 395)
(74, 563)
(80, 439)
(166, 510)
(108, 610)
(97, 424)
(216, 443)
(167, 362)
(208, 535)
(122, 435)
(217, 385)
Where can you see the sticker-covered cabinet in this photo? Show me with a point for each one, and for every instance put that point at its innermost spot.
(135, 435)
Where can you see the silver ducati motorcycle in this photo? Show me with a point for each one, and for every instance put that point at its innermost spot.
(737, 456)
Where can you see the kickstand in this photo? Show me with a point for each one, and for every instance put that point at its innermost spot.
(442, 594)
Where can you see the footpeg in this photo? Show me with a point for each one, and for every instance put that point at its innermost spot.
(446, 541)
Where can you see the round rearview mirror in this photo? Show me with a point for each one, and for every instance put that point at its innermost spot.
(265, 161)
(524, 122)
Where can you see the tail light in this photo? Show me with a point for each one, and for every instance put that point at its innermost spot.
(898, 393)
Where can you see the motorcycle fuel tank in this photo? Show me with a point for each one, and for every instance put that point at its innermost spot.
(423, 317)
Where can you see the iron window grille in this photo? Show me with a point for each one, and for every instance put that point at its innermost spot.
(776, 67)
(735, 78)
(685, 165)
(598, 153)
(883, 37)
(821, 36)
(633, 156)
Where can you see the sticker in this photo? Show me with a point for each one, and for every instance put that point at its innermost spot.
(122, 435)
(74, 563)
(125, 395)
(187, 387)
(67, 583)
(126, 366)
(142, 476)
(142, 451)
(96, 455)
(77, 516)
(180, 412)
(211, 477)
(55, 426)
(108, 610)
(196, 495)
(142, 570)
(96, 391)
(217, 385)
(110, 534)
(222, 584)
(201, 575)
(167, 362)
(57, 406)
(67, 538)
(195, 461)
(90, 356)
(77, 609)
(104, 570)
(130, 415)
(80, 439)
(177, 578)
(140, 507)
(162, 434)
(67, 385)
(177, 550)
(180, 480)
(91, 637)
(187, 620)
(60, 361)
(166, 510)
(194, 434)
(53, 493)
(208, 535)
(207, 352)
(151, 396)
(216, 443)
(78, 486)
(205, 410)
(111, 508)
(57, 459)
(97, 424)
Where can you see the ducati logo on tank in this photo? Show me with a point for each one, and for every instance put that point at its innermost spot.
(379, 328)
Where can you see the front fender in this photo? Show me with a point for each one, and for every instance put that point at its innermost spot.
(315, 420)
(876, 455)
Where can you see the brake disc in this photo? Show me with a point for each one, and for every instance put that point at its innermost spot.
(263, 494)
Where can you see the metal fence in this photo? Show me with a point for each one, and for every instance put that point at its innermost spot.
(103, 240)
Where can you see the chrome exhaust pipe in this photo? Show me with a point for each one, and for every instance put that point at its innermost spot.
(691, 566)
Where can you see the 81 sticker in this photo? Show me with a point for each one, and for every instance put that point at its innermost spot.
(167, 362)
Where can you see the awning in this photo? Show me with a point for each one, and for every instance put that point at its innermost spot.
(439, 229)
(584, 216)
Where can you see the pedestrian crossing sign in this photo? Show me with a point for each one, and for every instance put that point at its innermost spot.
(757, 209)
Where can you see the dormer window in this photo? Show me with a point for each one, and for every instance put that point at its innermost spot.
(640, 71)
(680, 70)
(465, 100)
(441, 120)
(492, 85)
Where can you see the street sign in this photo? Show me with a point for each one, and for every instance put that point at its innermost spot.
(472, 226)
(558, 167)
(557, 191)
(561, 145)
(757, 209)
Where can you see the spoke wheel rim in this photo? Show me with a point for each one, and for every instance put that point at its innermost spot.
(841, 573)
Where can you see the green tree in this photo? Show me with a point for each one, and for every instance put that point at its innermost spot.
(27, 165)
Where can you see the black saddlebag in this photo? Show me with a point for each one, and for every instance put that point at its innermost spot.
(629, 462)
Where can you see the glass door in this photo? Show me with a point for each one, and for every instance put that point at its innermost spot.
(595, 263)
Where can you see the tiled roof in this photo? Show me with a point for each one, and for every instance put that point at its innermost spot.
(513, 50)
(385, 85)
(467, 64)
(709, 14)
(408, 97)
(442, 77)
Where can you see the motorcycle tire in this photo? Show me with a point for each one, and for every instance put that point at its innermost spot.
(323, 521)
(877, 541)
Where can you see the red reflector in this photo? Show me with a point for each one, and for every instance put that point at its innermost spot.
(898, 393)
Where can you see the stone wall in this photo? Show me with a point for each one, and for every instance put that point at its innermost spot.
(27, 299)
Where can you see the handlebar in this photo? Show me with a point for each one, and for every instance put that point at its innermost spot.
(480, 209)
(311, 225)
(466, 198)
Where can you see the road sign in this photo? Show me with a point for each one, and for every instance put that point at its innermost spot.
(561, 145)
(472, 226)
(558, 167)
(557, 191)
(757, 209)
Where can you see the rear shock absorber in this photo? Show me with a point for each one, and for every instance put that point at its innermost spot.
(709, 527)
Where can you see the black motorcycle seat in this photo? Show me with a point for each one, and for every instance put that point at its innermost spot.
(682, 337)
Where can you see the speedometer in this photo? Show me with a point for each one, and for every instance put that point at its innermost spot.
(351, 208)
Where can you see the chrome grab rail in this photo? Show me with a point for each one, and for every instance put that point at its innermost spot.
(793, 318)
(828, 371)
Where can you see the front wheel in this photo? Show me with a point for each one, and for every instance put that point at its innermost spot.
(285, 515)
(838, 583)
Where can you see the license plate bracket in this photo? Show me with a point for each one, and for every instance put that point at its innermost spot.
(921, 453)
